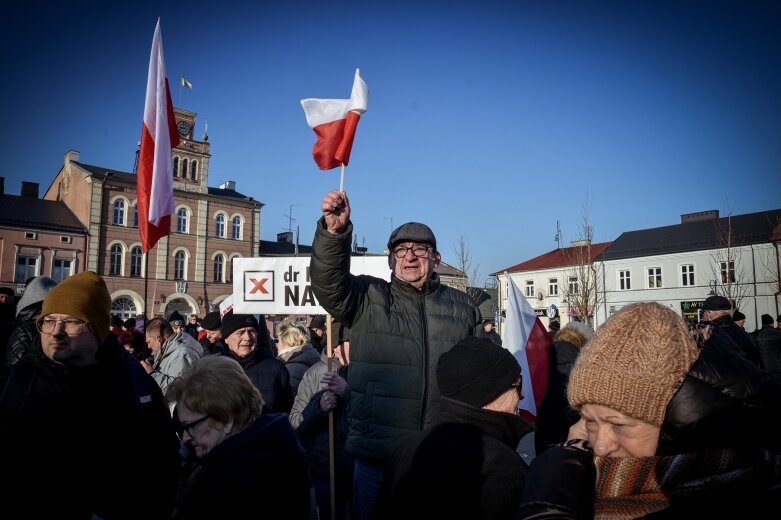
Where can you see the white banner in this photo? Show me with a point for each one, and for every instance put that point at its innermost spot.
(281, 285)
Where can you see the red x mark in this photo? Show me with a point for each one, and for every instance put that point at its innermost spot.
(258, 285)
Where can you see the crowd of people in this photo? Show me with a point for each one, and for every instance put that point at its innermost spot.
(400, 402)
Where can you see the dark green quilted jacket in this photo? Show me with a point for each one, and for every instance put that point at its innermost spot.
(397, 334)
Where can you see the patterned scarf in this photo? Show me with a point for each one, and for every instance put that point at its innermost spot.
(633, 487)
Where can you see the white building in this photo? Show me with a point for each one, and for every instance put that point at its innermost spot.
(679, 266)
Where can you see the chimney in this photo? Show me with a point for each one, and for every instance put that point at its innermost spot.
(228, 185)
(30, 189)
(2, 185)
(712, 214)
(285, 237)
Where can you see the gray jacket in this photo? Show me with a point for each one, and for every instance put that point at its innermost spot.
(178, 352)
(397, 336)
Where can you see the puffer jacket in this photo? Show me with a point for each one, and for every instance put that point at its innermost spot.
(724, 411)
(397, 336)
(24, 333)
(177, 353)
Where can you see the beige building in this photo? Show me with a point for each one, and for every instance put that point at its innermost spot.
(37, 238)
(190, 269)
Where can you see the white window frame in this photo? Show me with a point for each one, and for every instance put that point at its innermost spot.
(553, 286)
(727, 271)
(653, 277)
(687, 275)
(122, 250)
(624, 280)
(528, 288)
(65, 272)
(573, 287)
(220, 225)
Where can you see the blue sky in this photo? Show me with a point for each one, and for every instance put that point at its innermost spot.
(488, 120)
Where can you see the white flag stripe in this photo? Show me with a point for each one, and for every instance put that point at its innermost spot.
(520, 320)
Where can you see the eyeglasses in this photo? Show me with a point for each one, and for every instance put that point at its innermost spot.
(72, 327)
(418, 250)
(189, 427)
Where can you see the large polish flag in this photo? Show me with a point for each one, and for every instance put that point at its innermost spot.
(334, 121)
(526, 337)
(155, 164)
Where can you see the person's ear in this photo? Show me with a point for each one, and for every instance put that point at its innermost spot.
(437, 259)
(391, 261)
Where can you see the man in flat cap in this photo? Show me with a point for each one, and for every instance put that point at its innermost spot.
(398, 331)
(718, 310)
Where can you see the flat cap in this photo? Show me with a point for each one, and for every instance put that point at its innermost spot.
(412, 232)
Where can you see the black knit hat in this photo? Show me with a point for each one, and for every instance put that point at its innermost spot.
(211, 321)
(129, 323)
(176, 319)
(737, 316)
(116, 321)
(233, 322)
(767, 319)
(476, 371)
(318, 322)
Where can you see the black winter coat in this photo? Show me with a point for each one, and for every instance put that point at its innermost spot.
(464, 466)
(725, 401)
(270, 377)
(91, 440)
(298, 363)
(24, 333)
(260, 472)
(397, 334)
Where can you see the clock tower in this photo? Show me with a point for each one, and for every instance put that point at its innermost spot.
(191, 157)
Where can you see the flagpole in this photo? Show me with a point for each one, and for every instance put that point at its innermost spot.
(146, 284)
(331, 443)
(341, 179)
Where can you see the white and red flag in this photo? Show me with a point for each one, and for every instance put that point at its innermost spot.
(526, 337)
(155, 165)
(334, 121)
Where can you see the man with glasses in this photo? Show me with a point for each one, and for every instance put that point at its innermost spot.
(398, 331)
(79, 411)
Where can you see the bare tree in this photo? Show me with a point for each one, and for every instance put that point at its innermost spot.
(582, 281)
(729, 275)
(463, 261)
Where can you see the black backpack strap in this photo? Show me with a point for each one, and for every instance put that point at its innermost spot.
(16, 390)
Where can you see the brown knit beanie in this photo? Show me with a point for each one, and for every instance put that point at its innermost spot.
(634, 362)
(83, 296)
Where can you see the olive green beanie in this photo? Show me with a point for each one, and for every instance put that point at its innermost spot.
(83, 296)
(634, 363)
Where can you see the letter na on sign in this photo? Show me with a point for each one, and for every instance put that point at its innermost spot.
(272, 285)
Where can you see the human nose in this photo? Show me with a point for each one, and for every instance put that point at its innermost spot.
(604, 442)
(59, 328)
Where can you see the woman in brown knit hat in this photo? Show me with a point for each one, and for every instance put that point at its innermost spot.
(674, 424)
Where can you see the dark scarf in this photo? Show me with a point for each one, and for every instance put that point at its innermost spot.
(634, 487)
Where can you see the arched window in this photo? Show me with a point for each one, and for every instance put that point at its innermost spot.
(119, 212)
(135, 261)
(123, 307)
(194, 170)
(219, 225)
(179, 259)
(181, 221)
(184, 168)
(219, 264)
(236, 228)
(176, 167)
(135, 215)
(115, 261)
